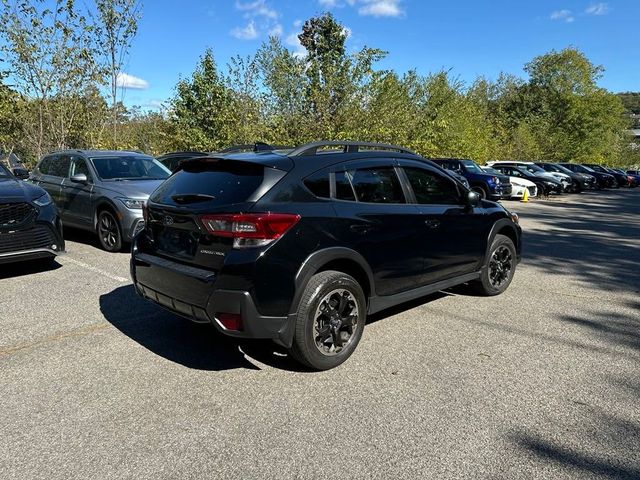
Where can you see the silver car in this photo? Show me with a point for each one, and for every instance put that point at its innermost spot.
(101, 191)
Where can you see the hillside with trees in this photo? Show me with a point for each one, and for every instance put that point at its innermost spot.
(61, 93)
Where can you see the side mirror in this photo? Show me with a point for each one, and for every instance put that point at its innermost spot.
(79, 178)
(473, 199)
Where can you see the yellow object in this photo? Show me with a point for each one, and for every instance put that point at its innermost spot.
(525, 195)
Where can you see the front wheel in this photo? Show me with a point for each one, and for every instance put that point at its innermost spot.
(499, 268)
(109, 233)
(330, 320)
(480, 191)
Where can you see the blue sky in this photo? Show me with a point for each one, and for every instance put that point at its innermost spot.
(470, 37)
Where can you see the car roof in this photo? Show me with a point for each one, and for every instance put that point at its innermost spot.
(98, 153)
(283, 159)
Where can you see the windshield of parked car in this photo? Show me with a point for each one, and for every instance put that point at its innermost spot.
(471, 166)
(130, 167)
(533, 168)
(561, 169)
(491, 170)
(4, 172)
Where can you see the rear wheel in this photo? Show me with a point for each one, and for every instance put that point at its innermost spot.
(109, 233)
(330, 320)
(499, 267)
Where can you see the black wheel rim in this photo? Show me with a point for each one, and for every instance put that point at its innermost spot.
(335, 322)
(500, 266)
(108, 230)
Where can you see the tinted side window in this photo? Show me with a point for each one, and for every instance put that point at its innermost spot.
(45, 165)
(319, 185)
(60, 166)
(431, 188)
(377, 185)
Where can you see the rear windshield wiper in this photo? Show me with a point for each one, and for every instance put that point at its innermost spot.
(192, 197)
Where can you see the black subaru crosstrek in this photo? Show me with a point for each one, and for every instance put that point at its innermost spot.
(30, 226)
(299, 246)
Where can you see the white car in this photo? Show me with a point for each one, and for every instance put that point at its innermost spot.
(519, 185)
(538, 171)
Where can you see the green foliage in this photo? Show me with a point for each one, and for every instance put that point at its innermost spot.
(203, 109)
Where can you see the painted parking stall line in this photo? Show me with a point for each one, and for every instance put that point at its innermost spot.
(86, 266)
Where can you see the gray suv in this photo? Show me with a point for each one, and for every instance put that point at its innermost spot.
(101, 191)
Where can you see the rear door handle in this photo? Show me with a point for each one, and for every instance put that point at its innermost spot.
(432, 223)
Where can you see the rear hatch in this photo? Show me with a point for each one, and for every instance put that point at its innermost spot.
(176, 212)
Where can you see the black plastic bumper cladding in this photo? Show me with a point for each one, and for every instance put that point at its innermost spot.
(191, 292)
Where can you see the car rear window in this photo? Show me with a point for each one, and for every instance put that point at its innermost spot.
(207, 183)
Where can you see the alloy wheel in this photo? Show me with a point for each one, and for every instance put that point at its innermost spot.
(335, 321)
(108, 230)
(500, 266)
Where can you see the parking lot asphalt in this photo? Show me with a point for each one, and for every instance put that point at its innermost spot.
(540, 382)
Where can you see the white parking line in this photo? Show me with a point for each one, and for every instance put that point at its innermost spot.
(67, 259)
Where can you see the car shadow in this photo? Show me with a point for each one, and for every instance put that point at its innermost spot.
(19, 269)
(78, 235)
(201, 346)
(194, 345)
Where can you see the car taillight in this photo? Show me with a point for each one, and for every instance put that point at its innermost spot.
(249, 229)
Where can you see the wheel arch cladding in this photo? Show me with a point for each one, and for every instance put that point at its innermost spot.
(338, 259)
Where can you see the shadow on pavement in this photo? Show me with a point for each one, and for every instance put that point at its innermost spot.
(596, 239)
(19, 269)
(198, 346)
(601, 443)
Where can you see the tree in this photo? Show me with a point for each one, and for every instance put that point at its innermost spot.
(202, 109)
(117, 25)
(51, 56)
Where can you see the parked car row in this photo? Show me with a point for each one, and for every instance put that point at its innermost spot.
(297, 245)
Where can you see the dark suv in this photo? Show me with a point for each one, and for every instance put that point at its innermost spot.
(492, 187)
(300, 245)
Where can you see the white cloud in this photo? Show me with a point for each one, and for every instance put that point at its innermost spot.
(248, 32)
(262, 18)
(257, 8)
(381, 8)
(276, 30)
(374, 8)
(124, 80)
(563, 15)
(597, 9)
(293, 41)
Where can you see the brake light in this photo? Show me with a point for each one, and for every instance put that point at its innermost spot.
(250, 229)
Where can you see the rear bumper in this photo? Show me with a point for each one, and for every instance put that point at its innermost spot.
(192, 293)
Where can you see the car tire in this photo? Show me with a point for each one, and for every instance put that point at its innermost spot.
(499, 267)
(480, 191)
(542, 191)
(323, 320)
(109, 232)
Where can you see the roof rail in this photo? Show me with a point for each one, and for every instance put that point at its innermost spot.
(348, 147)
(253, 147)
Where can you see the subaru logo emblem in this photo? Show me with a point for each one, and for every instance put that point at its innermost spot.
(167, 220)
